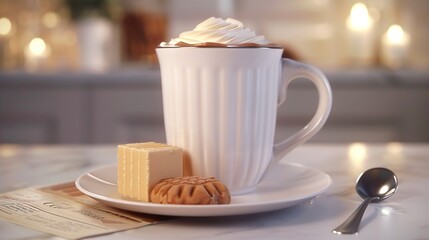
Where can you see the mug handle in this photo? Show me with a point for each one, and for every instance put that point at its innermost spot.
(292, 70)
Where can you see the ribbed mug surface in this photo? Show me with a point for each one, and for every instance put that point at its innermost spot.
(220, 106)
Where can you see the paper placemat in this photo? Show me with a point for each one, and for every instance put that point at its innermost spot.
(64, 211)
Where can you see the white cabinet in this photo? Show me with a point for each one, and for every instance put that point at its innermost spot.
(127, 114)
(374, 114)
(30, 114)
(127, 107)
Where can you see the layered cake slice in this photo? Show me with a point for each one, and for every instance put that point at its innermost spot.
(142, 165)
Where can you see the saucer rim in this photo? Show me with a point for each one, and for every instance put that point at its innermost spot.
(209, 210)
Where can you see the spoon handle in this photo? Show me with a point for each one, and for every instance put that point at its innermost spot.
(351, 225)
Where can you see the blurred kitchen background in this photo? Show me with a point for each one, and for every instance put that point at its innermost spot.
(85, 71)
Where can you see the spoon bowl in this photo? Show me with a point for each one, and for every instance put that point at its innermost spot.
(374, 185)
(378, 183)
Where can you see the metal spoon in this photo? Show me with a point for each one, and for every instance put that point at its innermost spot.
(374, 185)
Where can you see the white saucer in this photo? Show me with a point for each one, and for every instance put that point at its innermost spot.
(286, 185)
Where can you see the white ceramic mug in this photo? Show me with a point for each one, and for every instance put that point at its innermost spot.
(220, 106)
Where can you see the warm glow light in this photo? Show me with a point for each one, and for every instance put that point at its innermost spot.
(396, 35)
(50, 19)
(8, 150)
(5, 26)
(359, 18)
(37, 47)
(395, 43)
(394, 148)
(357, 152)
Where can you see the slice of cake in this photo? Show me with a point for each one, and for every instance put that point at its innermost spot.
(142, 165)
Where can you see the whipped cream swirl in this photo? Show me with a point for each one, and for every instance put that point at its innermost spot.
(220, 31)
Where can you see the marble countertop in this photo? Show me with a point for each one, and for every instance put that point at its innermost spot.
(403, 216)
